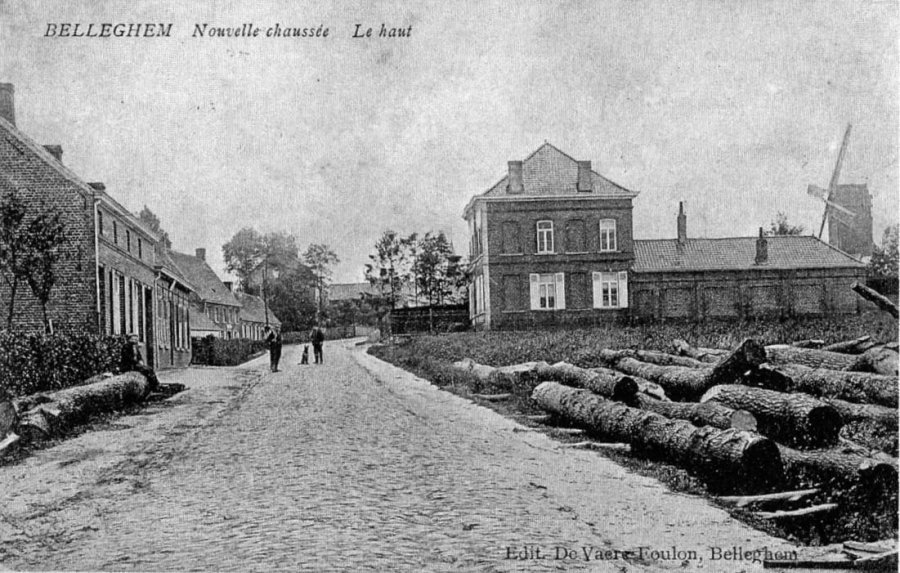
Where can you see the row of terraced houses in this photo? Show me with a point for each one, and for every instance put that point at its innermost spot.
(115, 275)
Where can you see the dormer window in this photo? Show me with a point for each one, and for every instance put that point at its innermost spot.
(607, 235)
(545, 237)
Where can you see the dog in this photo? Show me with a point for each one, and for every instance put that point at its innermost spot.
(305, 358)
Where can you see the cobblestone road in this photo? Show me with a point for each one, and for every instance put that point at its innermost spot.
(351, 465)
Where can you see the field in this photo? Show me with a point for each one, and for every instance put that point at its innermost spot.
(862, 516)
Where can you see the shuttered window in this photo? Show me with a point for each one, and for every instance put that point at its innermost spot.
(548, 291)
(610, 290)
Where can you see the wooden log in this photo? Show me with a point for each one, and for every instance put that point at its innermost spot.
(493, 397)
(886, 561)
(745, 500)
(615, 385)
(683, 383)
(872, 548)
(8, 417)
(728, 456)
(711, 355)
(588, 445)
(708, 414)
(880, 300)
(852, 412)
(881, 359)
(9, 442)
(645, 386)
(855, 346)
(780, 354)
(861, 387)
(809, 343)
(836, 464)
(660, 358)
(814, 510)
(796, 419)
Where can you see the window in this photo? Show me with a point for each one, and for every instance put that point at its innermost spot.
(548, 291)
(127, 240)
(611, 290)
(607, 234)
(545, 236)
(100, 221)
(115, 232)
(140, 248)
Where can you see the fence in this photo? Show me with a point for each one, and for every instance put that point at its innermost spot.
(448, 318)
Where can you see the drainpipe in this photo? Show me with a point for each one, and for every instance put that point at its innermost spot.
(97, 277)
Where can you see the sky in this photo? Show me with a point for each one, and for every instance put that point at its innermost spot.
(733, 107)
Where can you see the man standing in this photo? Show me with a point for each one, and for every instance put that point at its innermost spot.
(133, 361)
(273, 337)
(317, 337)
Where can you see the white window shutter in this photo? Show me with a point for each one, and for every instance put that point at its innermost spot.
(597, 292)
(561, 291)
(535, 292)
(623, 289)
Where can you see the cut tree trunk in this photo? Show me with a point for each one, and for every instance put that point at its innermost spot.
(645, 386)
(708, 414)
(852, 412)
(835, 464)
(660, 358)
(683, 383)
(780, 354)
(862, 387)
(8, 417)
(810, 343)
(880, 300)
(610, 385)
(796, 419)
(731, 458)
(855, 346)
(68, 407)
(711, 355)
(882, 359)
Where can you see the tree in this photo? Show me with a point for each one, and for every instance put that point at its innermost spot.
(292, 298)
(437, 269)
(780, 226)
(885, 260)
(320, 258)
(387, 271)
(255, 258)
(13, 247)
(150, 219)
(46, 234)
(243, 255)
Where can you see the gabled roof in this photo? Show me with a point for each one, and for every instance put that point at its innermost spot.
(551, 172)
(201, 322)
(738, 253)
(165, 263)
(254, 310)
(206, 282)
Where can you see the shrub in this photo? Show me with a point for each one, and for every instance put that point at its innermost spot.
(32, 363)
(212, 351)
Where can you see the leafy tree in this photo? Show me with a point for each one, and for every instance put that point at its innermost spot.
(388, 269)
(437, 270)
(780, 226)
(46, 234)
(291, 297)
(255, 257)
(320, 258)
(150, 219)
(14, 247)
(886, 258)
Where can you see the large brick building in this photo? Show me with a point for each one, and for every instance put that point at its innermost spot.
(552, 244)
(108, 270)
(215, 310)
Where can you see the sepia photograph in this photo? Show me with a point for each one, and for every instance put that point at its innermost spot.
(450, 285)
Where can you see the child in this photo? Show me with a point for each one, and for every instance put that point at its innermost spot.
(305, 358)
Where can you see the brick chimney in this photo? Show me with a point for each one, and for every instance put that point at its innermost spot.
(55, 151)
(99, 186)
(682, 224)
(8, 103)
(515, 184)
(201, 254)
(585, 179)
(762, 249)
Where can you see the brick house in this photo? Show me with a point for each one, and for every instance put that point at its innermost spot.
(211, 298)
(741, 277)
(108, 271)
(254, 316)
(550, 243)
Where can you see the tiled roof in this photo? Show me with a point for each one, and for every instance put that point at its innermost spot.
(201, 322)
(253, 309)
(549, 171)
(207, 284)
(164, 260)
(784, 252)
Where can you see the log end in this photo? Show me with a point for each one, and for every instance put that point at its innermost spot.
(762, 465)
(625, 390)
(823, 427)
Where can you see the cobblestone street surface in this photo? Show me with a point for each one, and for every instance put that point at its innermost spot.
(351, 465)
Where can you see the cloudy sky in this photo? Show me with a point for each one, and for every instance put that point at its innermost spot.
(733, 107)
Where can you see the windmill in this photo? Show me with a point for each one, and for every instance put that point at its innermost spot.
(827, 195)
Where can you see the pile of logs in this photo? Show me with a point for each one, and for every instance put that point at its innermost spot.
(753, 414)
(41, 416)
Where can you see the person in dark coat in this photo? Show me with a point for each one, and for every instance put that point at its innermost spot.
(133, 361)
(317, 337)
(275, 343)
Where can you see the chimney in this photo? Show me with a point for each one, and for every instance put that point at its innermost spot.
(515, 185)
(762, 249)
(8, 103)
(682, 224)
(55, 151)
(585, 179)
(97, 185)
(201, 254)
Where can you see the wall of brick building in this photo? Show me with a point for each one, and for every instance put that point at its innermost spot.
(73, 297)
(743, 294)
